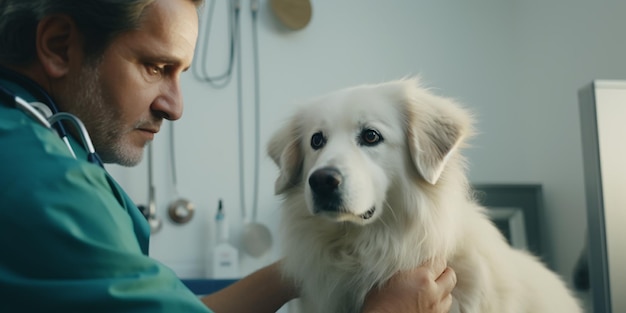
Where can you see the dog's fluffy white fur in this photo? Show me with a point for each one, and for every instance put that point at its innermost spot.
(373, 183)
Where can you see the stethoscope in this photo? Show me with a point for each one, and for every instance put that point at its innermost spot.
(47, 113)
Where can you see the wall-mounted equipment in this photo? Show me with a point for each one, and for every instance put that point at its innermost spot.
(180, 210)
(294, 14)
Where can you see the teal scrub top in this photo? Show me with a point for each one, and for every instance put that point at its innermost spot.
(71, 240)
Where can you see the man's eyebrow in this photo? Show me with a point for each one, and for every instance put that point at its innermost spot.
(166, 60)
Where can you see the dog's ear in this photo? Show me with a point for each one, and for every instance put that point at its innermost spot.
(284, 148)
(436, 127)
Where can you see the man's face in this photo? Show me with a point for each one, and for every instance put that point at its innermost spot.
(124, 98)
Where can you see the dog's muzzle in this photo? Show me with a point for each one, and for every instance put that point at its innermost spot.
(326, 188)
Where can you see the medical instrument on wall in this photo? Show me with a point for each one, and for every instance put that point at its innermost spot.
(199, 68)
(48, 115)
(180, 210)
(294, 14)
(256, 238)
(149, 212)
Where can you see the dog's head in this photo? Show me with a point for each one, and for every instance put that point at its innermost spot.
(344, 151)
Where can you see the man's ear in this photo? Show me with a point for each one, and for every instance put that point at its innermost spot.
(58, 44)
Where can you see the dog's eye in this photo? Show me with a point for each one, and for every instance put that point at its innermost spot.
(318, 140)
(370, 137)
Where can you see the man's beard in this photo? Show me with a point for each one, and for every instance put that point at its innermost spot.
(102, 120)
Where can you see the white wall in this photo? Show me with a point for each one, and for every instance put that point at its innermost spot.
(562, 46)
(517, 64)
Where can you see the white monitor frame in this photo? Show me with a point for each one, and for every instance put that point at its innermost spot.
(603, 130)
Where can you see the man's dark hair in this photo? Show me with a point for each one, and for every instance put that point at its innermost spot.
(98, 20)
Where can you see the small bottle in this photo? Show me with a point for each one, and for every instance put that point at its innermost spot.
(225, 256)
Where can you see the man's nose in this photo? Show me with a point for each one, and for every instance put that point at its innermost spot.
(169, 104)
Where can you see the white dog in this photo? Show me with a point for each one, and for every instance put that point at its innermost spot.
(373, 184)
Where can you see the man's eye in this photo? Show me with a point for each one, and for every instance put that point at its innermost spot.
(370, 137)
(155, 70)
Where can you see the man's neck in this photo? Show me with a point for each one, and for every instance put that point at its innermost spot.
(32, 71)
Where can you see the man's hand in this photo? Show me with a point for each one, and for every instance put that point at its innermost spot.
(426, 289)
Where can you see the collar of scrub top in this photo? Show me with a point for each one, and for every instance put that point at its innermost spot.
(51, 116)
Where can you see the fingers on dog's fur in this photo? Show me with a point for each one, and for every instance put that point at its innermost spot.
(434, 131)
(284, 149)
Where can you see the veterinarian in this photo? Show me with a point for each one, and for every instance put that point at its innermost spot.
(71, 240)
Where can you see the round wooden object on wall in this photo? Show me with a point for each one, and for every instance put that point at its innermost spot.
(295, 14)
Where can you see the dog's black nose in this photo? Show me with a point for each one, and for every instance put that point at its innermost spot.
(325, 181)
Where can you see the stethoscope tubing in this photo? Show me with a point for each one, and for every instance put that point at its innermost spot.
(36, 110)
(48, 104)
(32, 111)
